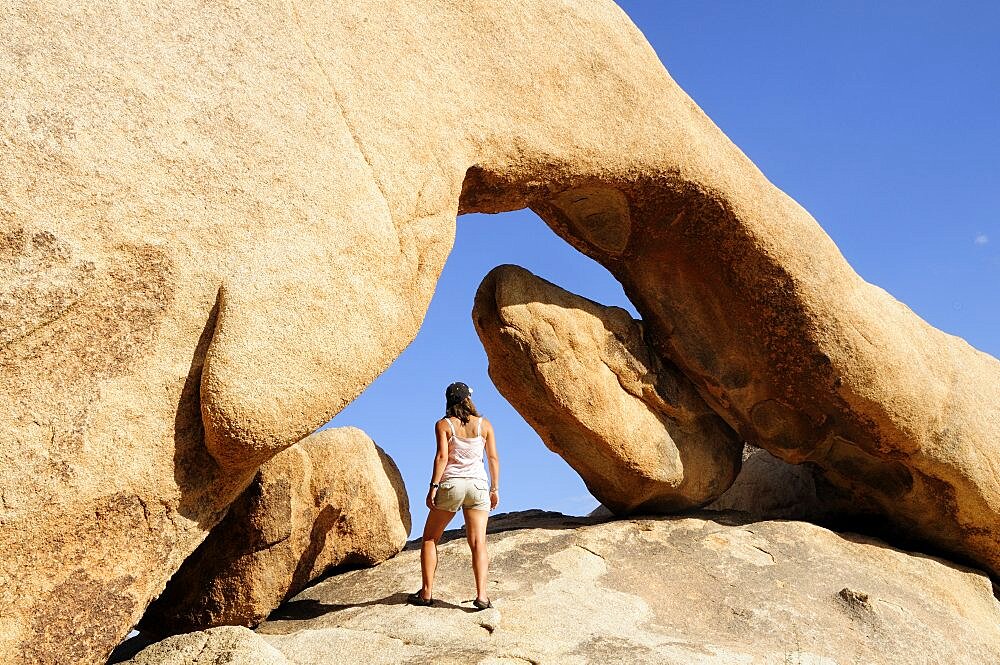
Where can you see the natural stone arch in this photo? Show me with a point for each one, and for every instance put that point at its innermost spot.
(737, 284)
(271, 190)
(749, 297)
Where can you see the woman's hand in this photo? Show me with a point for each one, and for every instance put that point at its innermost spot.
(431, 493)
(494, 499)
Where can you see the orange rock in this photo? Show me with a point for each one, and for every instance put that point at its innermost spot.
(334, 498)
(218, 224)
(633, 427)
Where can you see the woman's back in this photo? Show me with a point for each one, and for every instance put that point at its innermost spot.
(465, 453)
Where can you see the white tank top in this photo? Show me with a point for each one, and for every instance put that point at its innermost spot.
(465, 455)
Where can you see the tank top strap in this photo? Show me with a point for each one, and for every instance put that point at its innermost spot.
(448, 420)
(479, 426)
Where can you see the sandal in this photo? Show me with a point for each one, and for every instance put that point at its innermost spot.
(416, 599)
(480, 605)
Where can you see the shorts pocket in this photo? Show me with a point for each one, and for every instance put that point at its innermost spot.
(481, 491)
(444, 498)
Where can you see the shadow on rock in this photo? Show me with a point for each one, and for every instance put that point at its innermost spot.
(205, 492)
(515, 521)
(309, 608)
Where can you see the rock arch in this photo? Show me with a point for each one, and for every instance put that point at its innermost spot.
(266, 193)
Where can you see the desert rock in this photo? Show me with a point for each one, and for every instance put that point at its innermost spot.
(769, 488)
(580, 373)
(226, 645)
(706, 588)
(219, 223)
(334, 498)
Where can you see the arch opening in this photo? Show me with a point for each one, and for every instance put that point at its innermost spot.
(399, 409)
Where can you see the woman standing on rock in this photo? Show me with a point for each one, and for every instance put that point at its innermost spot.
(459, 480)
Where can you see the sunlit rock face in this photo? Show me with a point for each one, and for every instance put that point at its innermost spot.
(580, 373)
(218, 224)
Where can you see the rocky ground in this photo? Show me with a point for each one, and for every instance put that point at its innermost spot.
(703, 588)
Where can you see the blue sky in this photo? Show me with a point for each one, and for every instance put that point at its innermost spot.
(881, 119)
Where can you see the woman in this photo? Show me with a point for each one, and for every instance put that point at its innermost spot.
(459, 480)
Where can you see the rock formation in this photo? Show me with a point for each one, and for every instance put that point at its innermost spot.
(633, 427)
(332, 499)
(219, 223)
(665, 590)
(226, 645)
(768, 488)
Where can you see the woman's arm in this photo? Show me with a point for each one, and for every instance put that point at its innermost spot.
(494, 462)
(440, 461)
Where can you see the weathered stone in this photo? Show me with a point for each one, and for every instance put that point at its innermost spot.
(226, 645)
(334, 498)
(219, 222)
(769, 488)
(580, 373)
(700, 589)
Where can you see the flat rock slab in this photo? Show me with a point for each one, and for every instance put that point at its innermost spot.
(696, 589)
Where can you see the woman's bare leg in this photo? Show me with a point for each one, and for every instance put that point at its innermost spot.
(475, 529)
(437, 520)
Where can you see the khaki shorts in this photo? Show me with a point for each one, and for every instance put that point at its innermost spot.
(455, 493)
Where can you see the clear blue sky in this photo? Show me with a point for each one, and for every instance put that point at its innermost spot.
(881, 119)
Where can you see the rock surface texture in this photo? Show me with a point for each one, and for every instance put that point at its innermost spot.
(332, 499)
(225, 645)
(580, 373)
(768, 488)
(652, 590)
(219, 223)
